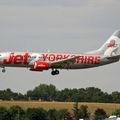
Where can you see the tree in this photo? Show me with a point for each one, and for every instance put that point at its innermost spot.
(4, 114)
(116, 112)
(76, 111)
(62, 114)
(17, 113)
(36, 114)
(8, 94)
(94, 95)
(100, 114)
(83, 112)
(52, 114)
(116, 97)
(68, 116)
(43, 91)
(80, 112)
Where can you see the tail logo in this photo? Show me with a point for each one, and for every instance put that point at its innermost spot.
(112, 44)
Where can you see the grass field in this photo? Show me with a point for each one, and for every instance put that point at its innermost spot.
(108, 107)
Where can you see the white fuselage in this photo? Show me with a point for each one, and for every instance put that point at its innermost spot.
(106, 54)
(22, 59)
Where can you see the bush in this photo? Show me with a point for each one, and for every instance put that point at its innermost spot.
(80, 112)
(116, 112)
(100, 114)
(36, 114)
(17, 112)
(4, 114)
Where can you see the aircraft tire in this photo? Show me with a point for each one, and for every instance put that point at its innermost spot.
(3, 70)
(53, 73)
(56, 72)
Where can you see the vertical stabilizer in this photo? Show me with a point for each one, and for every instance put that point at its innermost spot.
(110, 47)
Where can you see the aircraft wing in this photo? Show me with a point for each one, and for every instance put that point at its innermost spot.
(63, 63)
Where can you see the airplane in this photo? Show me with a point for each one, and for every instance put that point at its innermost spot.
(106, 54)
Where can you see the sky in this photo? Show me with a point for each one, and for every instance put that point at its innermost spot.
(59, 26)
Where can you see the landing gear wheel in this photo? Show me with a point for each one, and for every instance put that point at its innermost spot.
(3, 70)
(55, 72)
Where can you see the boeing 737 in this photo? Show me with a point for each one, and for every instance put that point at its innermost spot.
(106, 54)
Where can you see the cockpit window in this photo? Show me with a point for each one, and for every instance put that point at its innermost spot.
(40, 58)
(33, 57)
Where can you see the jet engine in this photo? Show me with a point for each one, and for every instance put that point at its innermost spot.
(40, 66)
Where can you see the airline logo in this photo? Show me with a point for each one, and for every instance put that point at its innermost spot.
(84, 59)
(17, 59)
(23, 59)
(112, 44)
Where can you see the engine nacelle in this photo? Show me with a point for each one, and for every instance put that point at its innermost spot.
(40, 66)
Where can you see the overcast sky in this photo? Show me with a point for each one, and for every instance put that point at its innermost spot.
(64, 26)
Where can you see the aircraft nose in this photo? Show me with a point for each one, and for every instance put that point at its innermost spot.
(1, 56)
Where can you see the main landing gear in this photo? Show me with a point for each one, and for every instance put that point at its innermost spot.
(55, 72)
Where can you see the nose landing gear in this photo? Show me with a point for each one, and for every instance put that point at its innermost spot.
(55, 72)
(3, 70)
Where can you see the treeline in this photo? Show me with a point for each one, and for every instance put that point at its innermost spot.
(17, 113)
(45, 92)
(77, 113)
